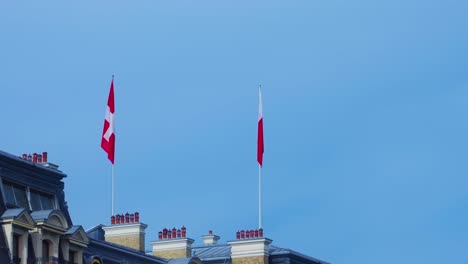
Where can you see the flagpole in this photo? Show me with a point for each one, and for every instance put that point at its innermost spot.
(260, 170)
(113, 183)
(113, 176)
(259, 196)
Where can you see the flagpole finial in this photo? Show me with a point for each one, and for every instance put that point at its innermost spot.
(112, 76)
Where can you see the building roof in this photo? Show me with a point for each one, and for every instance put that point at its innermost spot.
(222, 253)
(277, 251)
(41, 215)
(12, 213)
(212, 252)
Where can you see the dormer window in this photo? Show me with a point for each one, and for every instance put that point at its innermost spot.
(15, 195)
(41, 201)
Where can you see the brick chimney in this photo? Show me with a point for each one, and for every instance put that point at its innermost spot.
(126, 231)
(250, 249)
(173, 244)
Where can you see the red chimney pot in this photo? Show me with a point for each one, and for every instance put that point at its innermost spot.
(260, 232)
(25, 156)
(132, 218)
(242, 234)
(174, 232)
(238, 235)
(112, 220)
(137, 217)
(35, 158)
(127, 218)
(44, 157)
(165, 233)
(184, 231)
(39, 158)
(179, 233)
(256, 233)
(160, 235)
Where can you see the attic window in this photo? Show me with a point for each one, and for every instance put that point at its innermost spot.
(15, 195)
(41, 201)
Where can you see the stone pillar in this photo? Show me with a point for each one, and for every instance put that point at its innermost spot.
(23, 251)
(131, 235)
(173, 248)
(65, 248)
(250, 251)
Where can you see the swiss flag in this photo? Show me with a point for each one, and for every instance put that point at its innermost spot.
(260, 146)
(108, 135)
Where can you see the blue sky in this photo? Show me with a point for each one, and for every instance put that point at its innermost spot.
(365, 115)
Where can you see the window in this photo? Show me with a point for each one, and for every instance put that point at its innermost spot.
(41, 201)
(15, 195)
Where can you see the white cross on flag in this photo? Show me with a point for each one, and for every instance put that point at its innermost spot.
(108, 135)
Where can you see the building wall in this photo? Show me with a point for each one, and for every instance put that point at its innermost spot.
(132, 241)
(251, 260)
(172, 254)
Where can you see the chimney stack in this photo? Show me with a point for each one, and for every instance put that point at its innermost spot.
(126, 233)
(250, 247)
(173, 244)
(210, 239)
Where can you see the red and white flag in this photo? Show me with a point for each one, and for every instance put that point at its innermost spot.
(108, 135)
(260, 130)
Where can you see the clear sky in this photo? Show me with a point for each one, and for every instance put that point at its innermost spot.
(365, 116)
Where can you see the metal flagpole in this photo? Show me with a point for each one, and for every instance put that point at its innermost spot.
(113, 196)
(113, 170)
(260, 169)
(259, 196)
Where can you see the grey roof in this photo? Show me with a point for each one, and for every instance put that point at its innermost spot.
(13, 213)
(181, 260)
(72, 230)
(117, 250)
(37, 165)
(274, 250)
(212, 252)
(41, 215)
(223, 252)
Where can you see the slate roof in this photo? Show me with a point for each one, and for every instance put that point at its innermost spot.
(180, 261)
(72, 230)
(41, 215)
(222, 254)
(277, 251)
(12, 213)
(212, 252)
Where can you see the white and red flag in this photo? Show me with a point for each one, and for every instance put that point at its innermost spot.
(260, 146)
(108, 133)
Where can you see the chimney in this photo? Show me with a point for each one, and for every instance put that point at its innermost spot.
(210, 239)
(253, 249)
(173, 246)
(124, 233)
